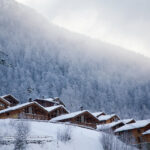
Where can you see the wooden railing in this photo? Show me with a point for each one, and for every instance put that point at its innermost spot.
(87, 124)
(33, 116)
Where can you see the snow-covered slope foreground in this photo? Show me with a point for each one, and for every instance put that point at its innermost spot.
(39, 59)
(81, 138)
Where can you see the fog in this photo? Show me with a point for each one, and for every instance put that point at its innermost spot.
(42, 59)
(122, 23)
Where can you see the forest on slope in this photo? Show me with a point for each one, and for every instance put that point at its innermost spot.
(40, 59)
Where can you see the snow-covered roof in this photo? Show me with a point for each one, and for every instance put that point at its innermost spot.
(15, 107)
(68, 116)
(49, 109)
(106, 117)
(56, 97)
(4, 100)
(4, 97)
(146, 132)
(19, 106)
(97, 113)
(136, 125)
(126, 121)
(71, 115)
(109, 125)
(47, 99)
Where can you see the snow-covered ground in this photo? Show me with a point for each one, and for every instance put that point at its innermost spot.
(81, 138)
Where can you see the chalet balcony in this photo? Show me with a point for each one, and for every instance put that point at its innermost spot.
(33, 116)
(87, 124)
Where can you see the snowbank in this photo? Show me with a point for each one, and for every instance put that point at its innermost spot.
(81, 138)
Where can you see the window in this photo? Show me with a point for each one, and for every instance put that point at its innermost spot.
(138, 130)
(82, 119)
(1, 104)
(138, 140)
(30, 110)
(26, 110)
(45, 105)
(115, 119)
(78, 119)
(57, 112)
(103, 122)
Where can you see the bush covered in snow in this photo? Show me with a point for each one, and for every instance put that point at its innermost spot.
(22, 132)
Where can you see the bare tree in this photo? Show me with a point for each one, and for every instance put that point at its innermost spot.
(111, 142)
(0, 139)
(22, 132)
(106, 141)
(64, 135)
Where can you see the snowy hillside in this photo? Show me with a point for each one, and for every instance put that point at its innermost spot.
(45, 60)
(81, 139)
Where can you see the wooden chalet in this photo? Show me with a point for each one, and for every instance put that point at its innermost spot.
(49, 102)
(131, 133)
(55, 111)
(98, 114)
(11, 99)
(30, 110)
(7, 101)
(84, 118)
(146, 137)
(110, 127)
(104, 119)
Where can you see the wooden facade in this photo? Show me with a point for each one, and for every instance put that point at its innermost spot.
(49, 102)
(145, 138)
(25, 111)
(45, 103)
(56, 111)
(98, 114)
(84, 118)
(110, 127)
(105, 120)
(133, 136)
(117, 126)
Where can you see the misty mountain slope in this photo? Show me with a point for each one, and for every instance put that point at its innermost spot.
(48, 61)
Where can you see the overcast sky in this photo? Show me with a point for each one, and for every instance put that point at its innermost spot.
(121, 22)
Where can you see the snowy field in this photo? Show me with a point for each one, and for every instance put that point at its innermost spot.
(47, 133)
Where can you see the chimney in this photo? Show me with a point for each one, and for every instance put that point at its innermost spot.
(81, 108)
(30, 99)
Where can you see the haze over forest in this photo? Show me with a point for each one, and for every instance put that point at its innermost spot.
(40, 59)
